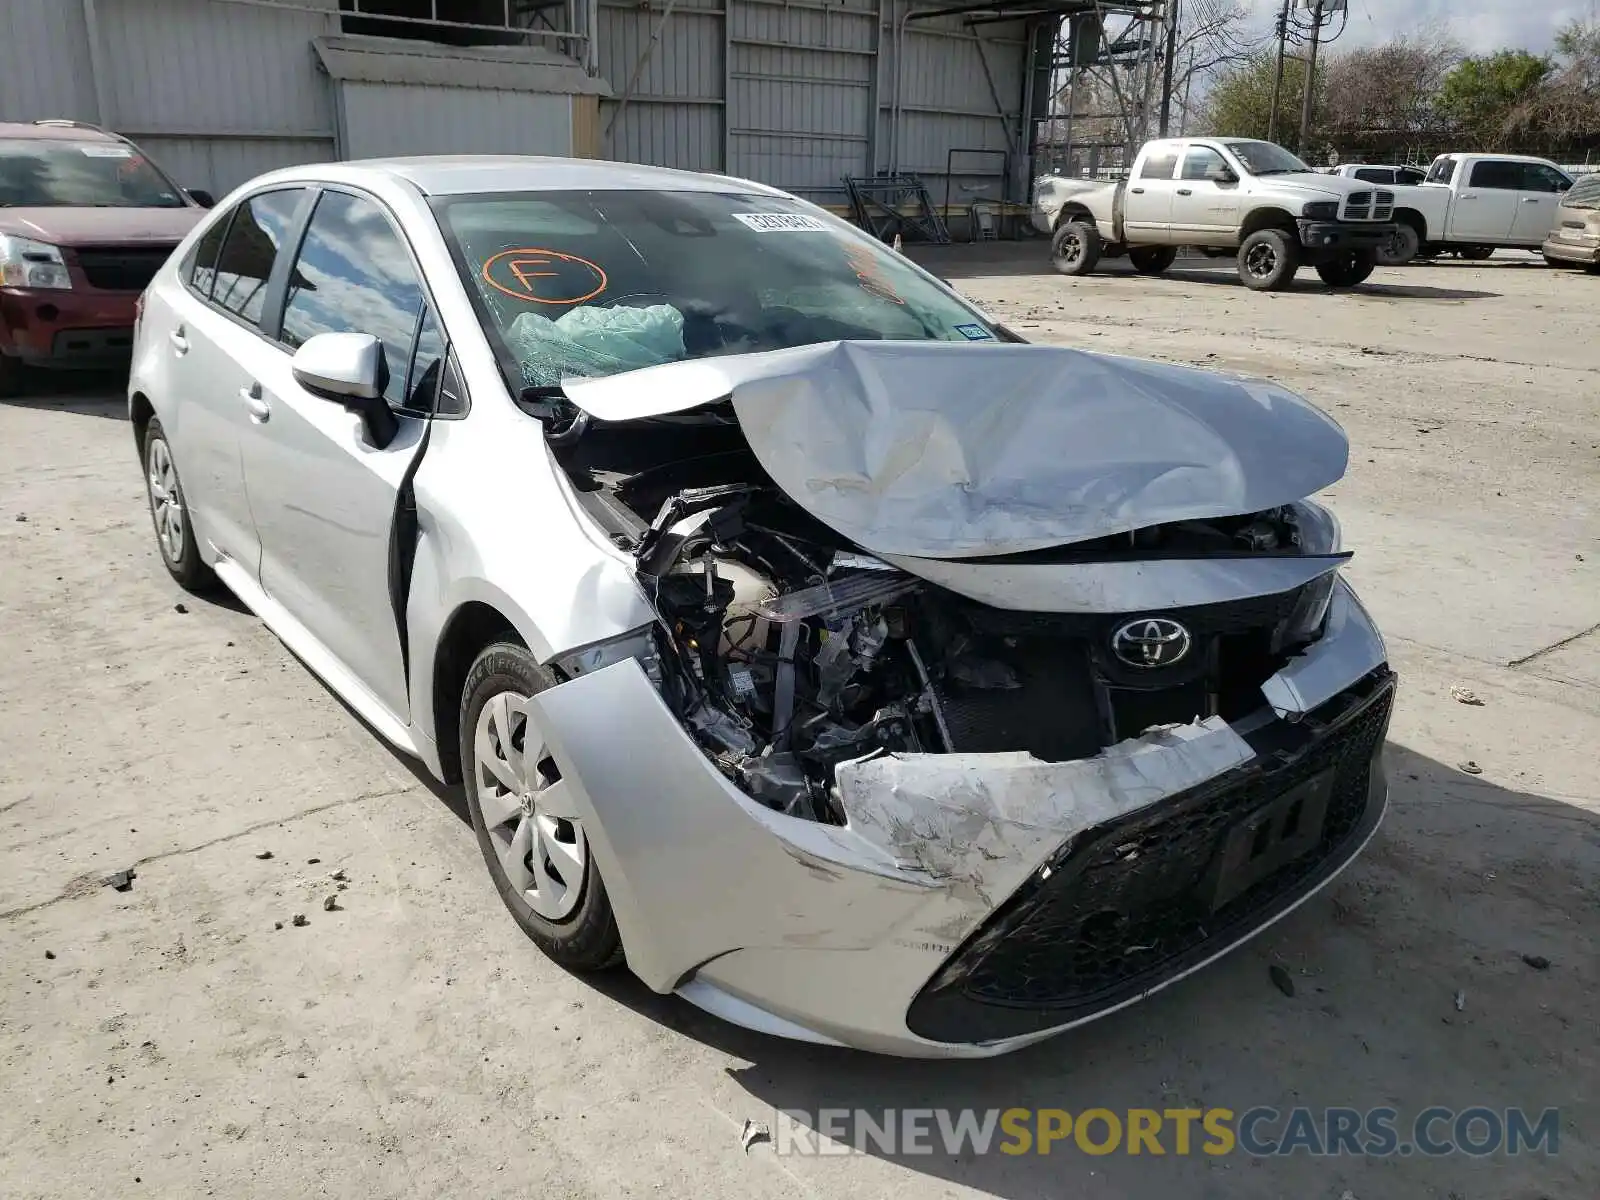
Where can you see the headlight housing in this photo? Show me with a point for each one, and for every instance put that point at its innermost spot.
(1321, 210)
(28, 264)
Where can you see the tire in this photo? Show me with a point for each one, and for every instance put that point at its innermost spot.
(1268, 260)
(11, 371)
(569, 919)
(1476, 253)
(1347, 270)
(1152, 260)
(1402, 249)
(169, 514)
(1075, 248)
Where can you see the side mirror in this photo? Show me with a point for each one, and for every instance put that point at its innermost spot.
(1221, 174)
(349, 369)
(202, 197)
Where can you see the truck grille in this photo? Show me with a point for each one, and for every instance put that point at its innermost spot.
(121, 268)
(1369, 206)
(1134, 902)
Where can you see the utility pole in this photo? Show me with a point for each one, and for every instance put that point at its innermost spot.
(1311, 78)
(1170, 54)
(1277, 78)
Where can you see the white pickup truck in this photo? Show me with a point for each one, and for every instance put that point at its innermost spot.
(1237, 196)
(1475, 204)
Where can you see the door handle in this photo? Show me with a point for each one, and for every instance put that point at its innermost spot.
(1137, 191)
(1469, 195)
(1531, 199)
(260, 410)
(180, 343)
(1185, 191)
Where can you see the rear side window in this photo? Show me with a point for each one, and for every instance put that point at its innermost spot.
(1159, 164)
(1496, 174)
(355, 275)
(244, 264)
(1375, 175)
(204, 266)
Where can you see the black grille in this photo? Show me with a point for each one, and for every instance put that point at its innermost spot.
(121, 268)
(1134, 902)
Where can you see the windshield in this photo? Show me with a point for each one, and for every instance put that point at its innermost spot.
(35, 173)
(1266, 158)
(586, 284)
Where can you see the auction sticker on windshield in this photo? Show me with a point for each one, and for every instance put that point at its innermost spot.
(780, 222)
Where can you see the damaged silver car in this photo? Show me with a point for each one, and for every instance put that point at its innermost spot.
(850, 668)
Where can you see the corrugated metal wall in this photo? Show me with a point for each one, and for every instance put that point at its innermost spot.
(382, 119)
(44, 62)
(786, 92)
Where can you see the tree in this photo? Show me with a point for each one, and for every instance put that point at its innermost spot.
(1240, 101)
(1383, 100)
(1481, 95)
(1564, 111)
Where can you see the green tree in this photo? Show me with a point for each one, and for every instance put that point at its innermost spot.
(1482, 95)
(1239, 103)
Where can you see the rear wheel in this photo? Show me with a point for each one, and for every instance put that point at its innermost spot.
(169, 513)
(1268, 260)
(1347, 270)
(523, 814)
(1075, 249)
(1476, 253)
(1402, 248)
(1152, 260)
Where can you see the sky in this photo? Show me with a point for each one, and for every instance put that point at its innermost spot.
(1479, 25)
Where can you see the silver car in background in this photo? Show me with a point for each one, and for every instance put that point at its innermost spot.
(801, 636)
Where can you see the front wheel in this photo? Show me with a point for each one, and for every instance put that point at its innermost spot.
(1347, 270)
(1476, 253)
(1268, 260)
(1402, 248)
(1075, 249)
(1152, 260)
(523, 814)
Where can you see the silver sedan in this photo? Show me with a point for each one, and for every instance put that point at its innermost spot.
(801, 637)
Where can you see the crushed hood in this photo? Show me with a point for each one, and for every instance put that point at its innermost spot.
(951, 450)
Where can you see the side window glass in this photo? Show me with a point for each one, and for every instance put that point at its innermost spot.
(1442, 171)
(1409, 177)
(1199, 160)
(1373, 175)
(1159, 164)
(1536, 177)
(245, 262)
(203, 268)
(427, 362)
(452, 392)
(355, 276)
(1491, 173)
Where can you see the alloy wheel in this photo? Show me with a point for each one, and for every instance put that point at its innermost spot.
(166, 499)
(1071, 249)
(527, 809)
(1261, 261)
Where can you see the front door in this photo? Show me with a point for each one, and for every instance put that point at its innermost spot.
(1486, 205)
(1205, 209)
(1147, 205)
(1542, 188)
(323, 494)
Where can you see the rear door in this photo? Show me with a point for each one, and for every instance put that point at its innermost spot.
(1147, 208)
(1486, 202)
(1204, 211)
(215, 333)
(324, 497)
(1542, 188)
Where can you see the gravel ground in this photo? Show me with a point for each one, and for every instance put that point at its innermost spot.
(173, 1039)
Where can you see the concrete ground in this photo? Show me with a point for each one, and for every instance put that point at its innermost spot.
(174, 1040)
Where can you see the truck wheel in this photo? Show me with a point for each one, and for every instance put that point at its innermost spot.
(1476, 253)
(1347, 270)
(1075, 249)
(1268, 260)
(1152, 260)
(1402, 249)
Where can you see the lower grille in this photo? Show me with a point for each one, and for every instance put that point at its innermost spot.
(1132, 903)
(121, 268)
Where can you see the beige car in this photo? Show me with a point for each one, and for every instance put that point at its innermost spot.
(1575, 239)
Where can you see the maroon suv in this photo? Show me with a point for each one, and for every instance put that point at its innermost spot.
(85, 221)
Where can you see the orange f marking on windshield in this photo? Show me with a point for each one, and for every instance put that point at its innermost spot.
(519, 272)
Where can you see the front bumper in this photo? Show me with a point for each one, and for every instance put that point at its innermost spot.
(1584, 253)
(70, 328)
(1334, 236)
(959, 913)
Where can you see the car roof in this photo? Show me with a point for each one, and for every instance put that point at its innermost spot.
(460, 174)
(1527, 158)
(51, 131)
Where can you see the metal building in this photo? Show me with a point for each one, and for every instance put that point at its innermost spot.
(796, 93)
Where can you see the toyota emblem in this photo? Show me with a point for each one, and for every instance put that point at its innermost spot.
(1151, 642)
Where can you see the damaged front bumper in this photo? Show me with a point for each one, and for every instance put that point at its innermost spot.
(973, 903)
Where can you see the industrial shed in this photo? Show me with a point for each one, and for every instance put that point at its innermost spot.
(795, 93)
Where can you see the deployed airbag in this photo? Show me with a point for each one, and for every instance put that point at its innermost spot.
(950, 450)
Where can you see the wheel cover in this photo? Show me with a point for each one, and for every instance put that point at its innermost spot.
(527, 809)
(1261, 261)
(166, 499)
